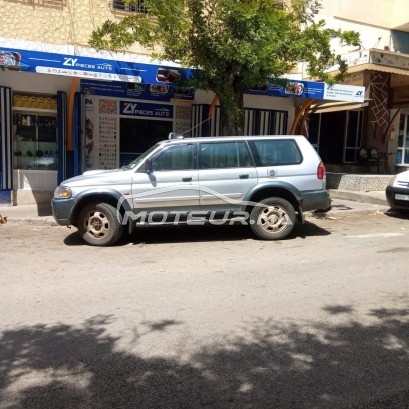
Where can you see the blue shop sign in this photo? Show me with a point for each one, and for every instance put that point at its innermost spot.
(142, 109)
(164, 81)
(90, 67)
(314, 90)
(156, 92)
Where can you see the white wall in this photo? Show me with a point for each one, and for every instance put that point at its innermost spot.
(256, 101)
(371, 36)
(43, 83)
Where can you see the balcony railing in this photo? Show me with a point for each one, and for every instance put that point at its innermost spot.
(279, 4)
(135, 7)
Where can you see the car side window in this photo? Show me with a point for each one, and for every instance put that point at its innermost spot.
(276, 152)
(178, 157)
(219, 155)
(245, 159)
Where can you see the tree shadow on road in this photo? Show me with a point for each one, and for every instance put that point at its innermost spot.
(344, 364)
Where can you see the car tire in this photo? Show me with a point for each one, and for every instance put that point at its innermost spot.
(98, 224)
(272, 219)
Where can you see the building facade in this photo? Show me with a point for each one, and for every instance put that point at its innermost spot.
(373, 134)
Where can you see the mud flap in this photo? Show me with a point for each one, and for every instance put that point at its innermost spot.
(131, 226)
(300, 214)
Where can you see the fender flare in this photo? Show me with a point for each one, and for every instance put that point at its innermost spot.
(272, 185)
(89, 194)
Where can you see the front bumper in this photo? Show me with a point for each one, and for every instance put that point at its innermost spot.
(62, 210)
(394, 203)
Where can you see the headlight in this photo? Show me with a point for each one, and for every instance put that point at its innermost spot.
(392, 181)
(63, 192)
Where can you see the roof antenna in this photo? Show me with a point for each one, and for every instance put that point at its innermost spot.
(175, 135)
(196, 126)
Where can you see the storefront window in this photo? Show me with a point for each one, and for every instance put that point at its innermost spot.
(337, 135)
(35, 131)
(402, 153)
(138, 135)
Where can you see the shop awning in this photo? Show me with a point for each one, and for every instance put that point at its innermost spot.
(378, 67)
(90, 67)
(325, 107)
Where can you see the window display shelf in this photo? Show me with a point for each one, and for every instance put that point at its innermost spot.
(35, 110)
(35, 141)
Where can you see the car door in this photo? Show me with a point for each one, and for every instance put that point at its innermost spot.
(226, 173)
(171, 184)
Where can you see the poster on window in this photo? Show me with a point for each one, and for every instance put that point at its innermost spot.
(101, 133)
(182, 123)
(89, 135)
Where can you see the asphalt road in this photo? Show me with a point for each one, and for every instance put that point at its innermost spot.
(207, 317)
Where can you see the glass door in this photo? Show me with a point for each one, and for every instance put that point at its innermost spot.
(402, 153)
(353, 136)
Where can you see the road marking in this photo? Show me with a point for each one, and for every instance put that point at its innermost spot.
(366, 236)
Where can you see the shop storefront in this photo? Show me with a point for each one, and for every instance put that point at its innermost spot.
(123, 120)
(63, 114)
(35, 144)
(32, 131)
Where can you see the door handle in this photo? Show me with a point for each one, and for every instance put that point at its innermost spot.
(244, 176)
(187, 179)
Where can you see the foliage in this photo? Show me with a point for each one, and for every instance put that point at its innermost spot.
(234, 44)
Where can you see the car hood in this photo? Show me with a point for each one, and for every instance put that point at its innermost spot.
(100, 177)
(403, 176)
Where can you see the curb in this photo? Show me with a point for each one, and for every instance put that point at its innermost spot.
(361, 197)
(339, 213)
(31, 220)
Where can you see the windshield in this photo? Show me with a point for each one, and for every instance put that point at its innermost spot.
(141, 158)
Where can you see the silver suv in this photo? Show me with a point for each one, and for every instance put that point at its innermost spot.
(266, 182)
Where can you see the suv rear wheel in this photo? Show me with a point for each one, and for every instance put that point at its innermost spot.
(98, 224)
(272, 219)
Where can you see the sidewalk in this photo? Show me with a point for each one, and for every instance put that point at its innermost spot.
(28, 213)
(344, 203)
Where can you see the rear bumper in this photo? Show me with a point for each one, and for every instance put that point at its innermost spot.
(315, 200)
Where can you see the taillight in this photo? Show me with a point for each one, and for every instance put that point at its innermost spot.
(321, 171)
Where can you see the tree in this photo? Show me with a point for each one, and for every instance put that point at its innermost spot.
(233, 44)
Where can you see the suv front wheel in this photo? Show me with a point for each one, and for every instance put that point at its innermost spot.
(99, 225)
(272, 218)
